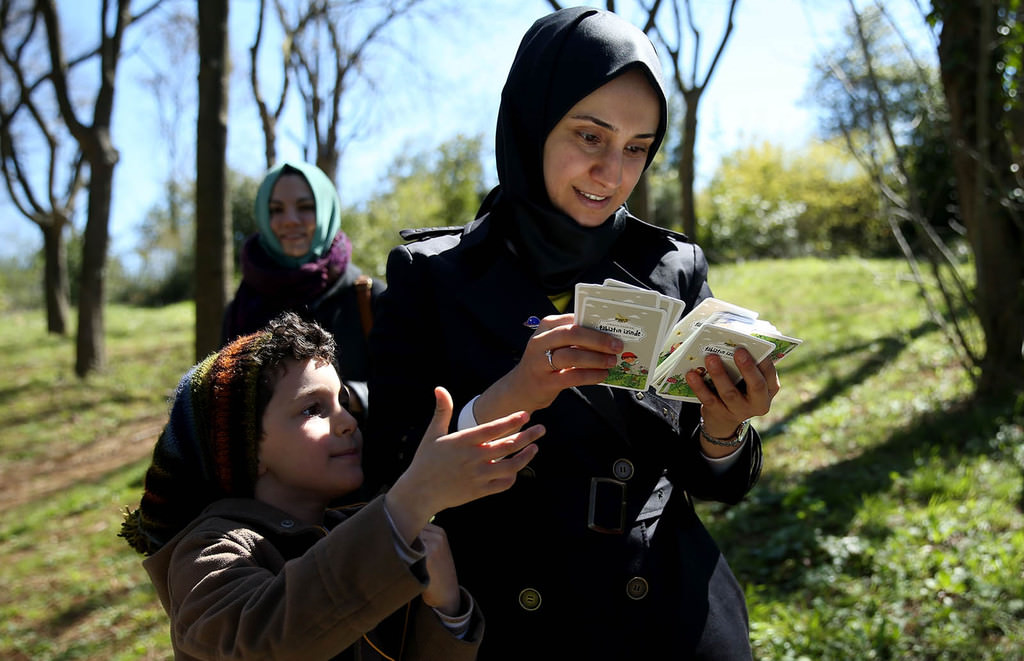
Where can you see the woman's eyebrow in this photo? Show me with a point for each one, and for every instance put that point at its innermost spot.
(605, 125)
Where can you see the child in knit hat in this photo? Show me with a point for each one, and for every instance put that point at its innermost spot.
(247, 557)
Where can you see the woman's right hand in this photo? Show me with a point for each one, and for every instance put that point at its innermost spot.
(578, 356)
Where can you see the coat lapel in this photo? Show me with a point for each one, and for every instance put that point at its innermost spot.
(501, 300)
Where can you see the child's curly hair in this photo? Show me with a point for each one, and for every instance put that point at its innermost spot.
(209, 448)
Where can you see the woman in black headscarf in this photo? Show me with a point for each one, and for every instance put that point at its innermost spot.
(596, 551)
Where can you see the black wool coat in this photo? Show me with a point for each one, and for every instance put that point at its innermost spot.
(595, 552)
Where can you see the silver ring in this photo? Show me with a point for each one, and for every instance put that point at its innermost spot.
(548, 353)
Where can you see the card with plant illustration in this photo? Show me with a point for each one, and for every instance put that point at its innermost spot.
(638, 326)
(708, 338)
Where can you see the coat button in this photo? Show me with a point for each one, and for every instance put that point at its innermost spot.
(529, 599)
(287, 523)
(640, 395)
(636, 587)
(622, 469)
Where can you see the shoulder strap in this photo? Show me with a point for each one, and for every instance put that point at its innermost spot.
(424, 233)
(364, 291)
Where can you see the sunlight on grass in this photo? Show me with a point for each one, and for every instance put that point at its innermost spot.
(885, 526)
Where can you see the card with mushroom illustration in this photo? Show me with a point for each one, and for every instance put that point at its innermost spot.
(659, 350)
(640, 328)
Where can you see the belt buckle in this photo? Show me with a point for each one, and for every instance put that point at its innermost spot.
(605, 492)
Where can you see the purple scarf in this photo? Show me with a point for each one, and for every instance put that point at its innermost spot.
(268, 288)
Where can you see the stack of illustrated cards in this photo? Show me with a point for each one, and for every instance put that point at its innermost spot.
(714, 326)
(639, 317)
(658, 351)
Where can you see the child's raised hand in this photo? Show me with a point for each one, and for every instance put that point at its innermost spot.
(443, 591)
(452, 469)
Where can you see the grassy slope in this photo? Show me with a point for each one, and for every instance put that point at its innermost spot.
(888, 521)
(886, 525)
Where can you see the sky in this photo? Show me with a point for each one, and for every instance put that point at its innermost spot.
(448, 83)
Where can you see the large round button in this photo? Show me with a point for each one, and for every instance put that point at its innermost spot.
(636, 587)
(529, 599)
(622, 469)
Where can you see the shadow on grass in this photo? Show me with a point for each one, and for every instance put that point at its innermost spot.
(77, 610)
(888, 348)
(73, 407)
(775, 536)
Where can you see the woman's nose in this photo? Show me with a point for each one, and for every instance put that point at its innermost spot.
(607, 171)
(290, 215)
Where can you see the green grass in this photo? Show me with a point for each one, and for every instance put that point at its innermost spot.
(887, 524)
(72, 454)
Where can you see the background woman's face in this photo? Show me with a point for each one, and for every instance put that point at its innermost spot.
(293, 214)
(595, 154)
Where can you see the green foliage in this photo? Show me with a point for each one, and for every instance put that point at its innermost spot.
(167, 241)
(243, 219)
(21, 284)
(906, 97)
(842, 86)
(766, 202)
(21, 278)
(887, 524)
(437, 188)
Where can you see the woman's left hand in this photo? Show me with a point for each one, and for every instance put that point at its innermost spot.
(723, 411)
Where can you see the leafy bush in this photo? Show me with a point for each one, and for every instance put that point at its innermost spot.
(441, 187)
(765, 202)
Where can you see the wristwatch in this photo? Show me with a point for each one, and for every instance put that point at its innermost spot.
(730, 441)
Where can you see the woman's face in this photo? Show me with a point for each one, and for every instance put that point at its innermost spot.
(293, 214)
(595, 154)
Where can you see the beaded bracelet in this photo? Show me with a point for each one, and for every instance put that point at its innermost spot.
(732, 440)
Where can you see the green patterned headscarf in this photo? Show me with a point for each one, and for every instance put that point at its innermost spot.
(328, 212)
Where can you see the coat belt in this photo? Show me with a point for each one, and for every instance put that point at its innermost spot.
(606, 511)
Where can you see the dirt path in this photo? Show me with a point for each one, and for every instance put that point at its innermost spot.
(23, 482)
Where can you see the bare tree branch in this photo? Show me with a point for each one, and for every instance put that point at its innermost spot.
(323, 67)
(268, 119)
(908, 206)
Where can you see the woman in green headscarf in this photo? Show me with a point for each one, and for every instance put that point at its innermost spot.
(300, 260)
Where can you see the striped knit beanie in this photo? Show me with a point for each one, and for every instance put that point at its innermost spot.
(209, 448)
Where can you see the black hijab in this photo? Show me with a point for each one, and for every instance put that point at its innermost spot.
(562, 58)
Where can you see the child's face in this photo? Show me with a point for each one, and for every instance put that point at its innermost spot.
(311, 450)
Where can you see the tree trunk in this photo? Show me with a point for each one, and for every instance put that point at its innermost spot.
(982, 159)
(639, 202)
(55, 276)
(90, 352)
(327, 160)
(213, 215)
(688, 209)
(98, 151)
